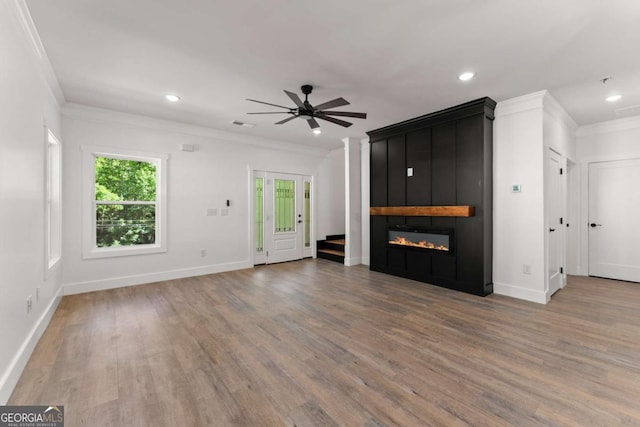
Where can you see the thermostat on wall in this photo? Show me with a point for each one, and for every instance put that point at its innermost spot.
(516, 188)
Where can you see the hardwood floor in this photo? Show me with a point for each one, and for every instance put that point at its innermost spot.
(314, 343)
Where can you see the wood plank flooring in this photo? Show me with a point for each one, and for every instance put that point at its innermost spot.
(315, 343)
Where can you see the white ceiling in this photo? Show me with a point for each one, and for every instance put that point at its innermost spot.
(394, 60)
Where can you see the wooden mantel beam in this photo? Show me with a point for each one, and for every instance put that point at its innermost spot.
(460, 211)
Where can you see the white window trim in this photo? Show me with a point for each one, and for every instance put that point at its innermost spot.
(53, 190)
(89, 248)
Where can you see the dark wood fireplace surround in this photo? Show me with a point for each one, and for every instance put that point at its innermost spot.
(450, 154)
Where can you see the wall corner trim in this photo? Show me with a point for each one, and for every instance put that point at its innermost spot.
(21, 12)
(350, 262)
(12, 374)
(540, 297)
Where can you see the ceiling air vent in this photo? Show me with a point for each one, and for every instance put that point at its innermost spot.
(628, 111)
(238, 123)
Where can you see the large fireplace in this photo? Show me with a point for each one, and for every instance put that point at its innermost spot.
(431, 198)
(422, 239)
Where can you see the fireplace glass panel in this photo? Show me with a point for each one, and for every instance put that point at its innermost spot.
(420, 240)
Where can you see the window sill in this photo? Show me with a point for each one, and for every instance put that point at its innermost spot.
(123, 251)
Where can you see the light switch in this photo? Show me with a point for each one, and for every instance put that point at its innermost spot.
(409, 171)
(212, 211)
(224, 212)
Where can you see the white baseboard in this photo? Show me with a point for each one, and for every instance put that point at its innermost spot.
(366, 260)
(140, 279)
(352, 261)
(12, 374)
(541, 297)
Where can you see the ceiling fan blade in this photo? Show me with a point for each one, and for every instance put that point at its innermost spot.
(268, 103)
(313, 124)
(334, 120)
(296, 99)
(273, 112)
(286, 120)
(338, 102)
(346, 114)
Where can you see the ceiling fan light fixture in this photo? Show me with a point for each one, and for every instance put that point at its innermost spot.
(613, 98)
(317, 131)
(171, 97)
(466, 76)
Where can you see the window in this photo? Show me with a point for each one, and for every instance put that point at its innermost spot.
(259, 192)
(285, 205)
(125, 212)
(53, 202)
(307, 214)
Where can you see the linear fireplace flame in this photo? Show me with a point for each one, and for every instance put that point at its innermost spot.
(420, 239)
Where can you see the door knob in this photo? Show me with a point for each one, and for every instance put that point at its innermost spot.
(299, 221)
(594, 225)
(552, 230)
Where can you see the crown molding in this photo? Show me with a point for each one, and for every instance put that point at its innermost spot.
(531, 101)
(22, 14)
(553, 107)
(611, 126)
(95, 114)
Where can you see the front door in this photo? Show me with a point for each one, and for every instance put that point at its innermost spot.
(286, 223)
(614, 229)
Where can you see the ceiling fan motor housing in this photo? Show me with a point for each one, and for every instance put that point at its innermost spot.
(308, 112)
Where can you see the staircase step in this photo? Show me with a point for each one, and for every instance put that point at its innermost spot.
(331, 245)
(336, 241)
(332, 255)
(331, 251)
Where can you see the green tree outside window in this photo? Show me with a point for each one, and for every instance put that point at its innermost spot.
(125, 202)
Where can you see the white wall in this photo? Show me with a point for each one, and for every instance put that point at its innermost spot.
(353, 201)
(525, 128)
(218, 169)
(613, 140)
(331, 212)
(518, 218)
(27, 104)
(365, 167)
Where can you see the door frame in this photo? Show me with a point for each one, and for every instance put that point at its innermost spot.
(252, 172)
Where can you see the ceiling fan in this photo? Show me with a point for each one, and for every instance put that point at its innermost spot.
(310, 113)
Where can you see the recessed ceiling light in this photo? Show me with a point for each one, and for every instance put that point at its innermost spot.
(613, 98)
(317, 131)
(466, 76)
(172, 98)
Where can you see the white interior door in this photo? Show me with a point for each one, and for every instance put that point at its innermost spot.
(614, 229)
(555, 205)
(287, 221)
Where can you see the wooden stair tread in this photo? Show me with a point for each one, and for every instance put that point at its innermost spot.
(331, 251)
(337, 241)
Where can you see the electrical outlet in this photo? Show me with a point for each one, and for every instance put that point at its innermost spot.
(29, 303)
(526, 268)
(203, 253)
